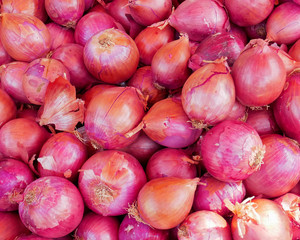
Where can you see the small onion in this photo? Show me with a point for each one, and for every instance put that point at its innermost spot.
(294, 51)
(11, 226)
(60, 35)
(109, 181)
(238, 112)
(257, 30)
(8, 108)
(4, 56)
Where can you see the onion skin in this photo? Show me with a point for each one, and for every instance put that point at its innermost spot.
(203, 225)
(4, 56)
(239, 32)
(88, 4)
(257, 30)
(8, 108)
(16, 227)
(109, 181)
(123, 56)
(60, 35)
(238, 112)
(294, 51)
(30, 113)
(36, 237)
(24, 37)
(52, 207)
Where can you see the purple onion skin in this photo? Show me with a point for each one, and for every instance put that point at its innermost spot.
(60, 35)
(36, 237)
(257, 31)
(11, 226)
(4, 56)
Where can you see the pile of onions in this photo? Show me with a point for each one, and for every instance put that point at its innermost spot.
(11, 226)
(109, 181)
(60, 35)
(8, 108)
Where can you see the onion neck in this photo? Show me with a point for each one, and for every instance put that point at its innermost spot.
(257, 155)
(199, 124)
(106, 41)
(183, 232)
(134, 213)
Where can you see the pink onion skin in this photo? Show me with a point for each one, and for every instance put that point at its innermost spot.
(280, 171)
(11, 226)
(212, 48)
(8, 108)
(208, 95)
(286, 107)
(15, 176)
(208, 17)
(30, 113)
(65, 13)
(60, 35)
(283, 23)
(88, 4)
(12, 78)
(24, 37)
(171, 162)
(130, 229)
(238, 112)
(122, 51)
(269, 73)
(62, 155)
(203, 225)
(239, 32)
(294, 51)
(4, 56)
(296, 189)
(109, 181)
(21, 138)
(38, 75)
(71, 55)
(257, 30)
(52, 207)
(36, 237)
(211, 195)
(147, 12)
(94, 226)
(223, 146)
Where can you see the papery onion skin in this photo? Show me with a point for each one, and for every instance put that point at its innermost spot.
(24, 37)
(30, 113)
(15, 176)
(88, 4)
(280, 171)
(94, 225)
(60, 35)
(130, 229)
(52, 207)
(4, 56)
(232, 151)
(109, 181)
(11, 226)
(123, 56)
(257, 30)
(239, 32)
(238, 112)
(269, 73)
(208, 17)
(203, 225)
(36, 237)
(294, 51)
(8, 108)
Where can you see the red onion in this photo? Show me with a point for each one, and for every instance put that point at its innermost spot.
(24, 37)
(30, 113)
(170, 162)
(239, 32)
(238, 112)
(11, 226)
(296, 189)
(62, 155)
(60, 35)
(4, 56)
(65, 13)
(94, 225)
(123, 56)
(283, 24)
(259, 219)
(287, 107)
(280, 171)
(8, 108)
(200, 19)
(130, 229)
(259, 74)
(52, 207)
(38, 75)
(232, 151)
(15, 176)
(113, 113)
(208, 94)
(98, 7)
(21, 138)
(211, 194)
(71, 55)
(36, 237)
(109, 181)
(203, 225)
(147, 12)
(294, 51)
(88, 4)
(214, 47)
(12, 78)
(257, 30)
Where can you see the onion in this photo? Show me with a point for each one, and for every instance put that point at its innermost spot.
(62, 155)
(4, 56)
(24, 37)
(200, 19)
(170, 162)
(214, 47)
(36, 237)
(60, 35)
(256, 69)
(21, 138)
(283, 23)
(123, 56)
(88, 4)
(98, 7)
(247, 13)
(210, 195)
(93, 225)
(52, 207)
(259, 219)
(130, 229)
(15, 176)
(8, 108)
(238, 112)
(239, 32)
(296, 189)
(169, 65)
(147, 12)
(11, 226)
(208, 95)
(165, 202)
(113, 113)
(38, 75)
(109, 181)
(280, 171)
(71, 55)
(203, 225)
(232, 151)
(294, 51)
(65, 13)
(257, 30)
(30, 113)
